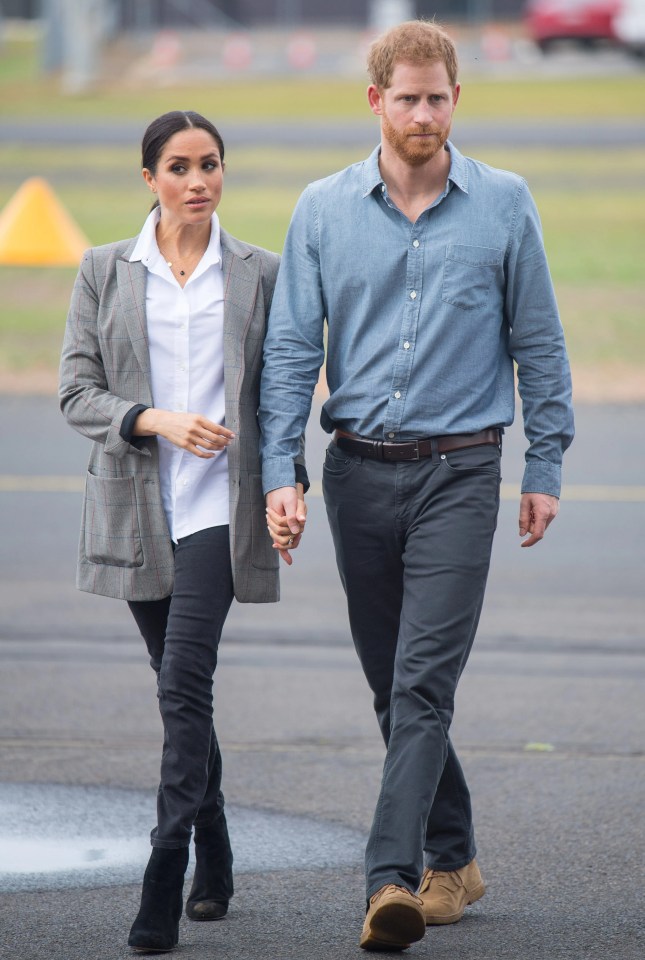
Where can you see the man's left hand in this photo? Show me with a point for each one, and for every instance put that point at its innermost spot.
(537, 510)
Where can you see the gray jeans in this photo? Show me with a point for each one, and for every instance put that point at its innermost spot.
(413, 543)
(182, 634)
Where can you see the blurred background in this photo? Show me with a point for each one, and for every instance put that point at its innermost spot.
(550, 711)
(553, 89)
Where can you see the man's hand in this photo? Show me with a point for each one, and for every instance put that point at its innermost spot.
(286, 517)
(537, 510)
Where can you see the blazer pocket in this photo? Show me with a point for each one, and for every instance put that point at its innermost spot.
(468, 273)
(111, 521)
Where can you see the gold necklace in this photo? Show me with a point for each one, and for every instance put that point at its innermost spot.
(182, 273)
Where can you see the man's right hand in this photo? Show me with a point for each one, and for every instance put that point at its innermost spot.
(286, 517)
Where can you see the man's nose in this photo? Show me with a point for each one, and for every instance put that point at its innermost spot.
(424, 114)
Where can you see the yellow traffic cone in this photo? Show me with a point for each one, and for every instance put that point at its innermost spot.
(37, 231)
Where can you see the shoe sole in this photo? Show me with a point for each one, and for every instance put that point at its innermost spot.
(394, 927)
(153, 949)
(201, 912)
(434, 920)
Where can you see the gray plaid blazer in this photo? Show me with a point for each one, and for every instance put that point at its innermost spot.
(125, 548)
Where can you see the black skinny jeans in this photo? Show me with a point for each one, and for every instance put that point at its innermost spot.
(182, 634)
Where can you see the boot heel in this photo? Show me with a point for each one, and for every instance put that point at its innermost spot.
(156, 927)
(212, 886)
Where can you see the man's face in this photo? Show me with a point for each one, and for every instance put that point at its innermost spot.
(416, 110)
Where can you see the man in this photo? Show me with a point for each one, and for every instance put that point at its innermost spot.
(430, 271)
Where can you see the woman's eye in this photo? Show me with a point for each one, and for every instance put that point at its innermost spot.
(177, 168)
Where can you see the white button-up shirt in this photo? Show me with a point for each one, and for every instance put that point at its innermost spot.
(186, 342)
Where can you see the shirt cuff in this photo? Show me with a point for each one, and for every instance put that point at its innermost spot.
(127, 425)
(542, 477)
(278, 472)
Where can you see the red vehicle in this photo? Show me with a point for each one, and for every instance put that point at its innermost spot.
(586, 22)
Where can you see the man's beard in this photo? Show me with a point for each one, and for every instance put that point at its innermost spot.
(410, 149)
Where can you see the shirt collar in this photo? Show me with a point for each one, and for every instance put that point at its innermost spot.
(458, 173)
(147, 251)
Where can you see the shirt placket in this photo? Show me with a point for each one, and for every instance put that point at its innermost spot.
(181, 403)
(408, 333)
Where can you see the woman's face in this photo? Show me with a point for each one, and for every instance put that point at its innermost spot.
(189, 177)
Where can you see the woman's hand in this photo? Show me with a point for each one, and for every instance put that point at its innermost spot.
(189, 431)
(286, 536)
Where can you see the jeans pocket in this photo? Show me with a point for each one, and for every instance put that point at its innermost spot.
(485, 458)
(338, 463)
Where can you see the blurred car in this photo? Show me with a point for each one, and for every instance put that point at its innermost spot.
(630, 26)
(585, 22)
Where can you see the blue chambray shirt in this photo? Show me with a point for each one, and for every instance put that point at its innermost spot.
(424, 319)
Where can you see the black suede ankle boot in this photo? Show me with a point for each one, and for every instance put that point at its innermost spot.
(156, 928)
(213, 880)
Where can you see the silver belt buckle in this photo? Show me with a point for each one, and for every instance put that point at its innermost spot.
(416, 450)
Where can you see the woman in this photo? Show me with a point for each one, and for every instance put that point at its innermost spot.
(160, 368)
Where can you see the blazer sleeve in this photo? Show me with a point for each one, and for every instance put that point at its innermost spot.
(85, 400)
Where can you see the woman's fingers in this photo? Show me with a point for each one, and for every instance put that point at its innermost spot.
(194, 433)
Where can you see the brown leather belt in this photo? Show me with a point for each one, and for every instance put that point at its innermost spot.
(413, 449)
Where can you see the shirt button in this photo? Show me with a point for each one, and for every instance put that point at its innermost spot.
(397, 395)
(185, 483)
(413, 295)
(415, 243)
(382, 188)
(406, 345)
(391, 436)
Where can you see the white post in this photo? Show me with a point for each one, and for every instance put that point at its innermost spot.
(384, 14)
(84, 25)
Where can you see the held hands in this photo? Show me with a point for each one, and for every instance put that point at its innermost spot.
(537, 510)
(189, 431)
(286, 518)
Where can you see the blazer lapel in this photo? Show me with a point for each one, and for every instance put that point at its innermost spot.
(131, 280)
(241, 271)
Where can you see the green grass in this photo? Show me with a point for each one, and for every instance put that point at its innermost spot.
(593, 224)
(26, 94)
(592, 202)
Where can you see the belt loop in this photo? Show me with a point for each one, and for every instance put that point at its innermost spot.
(378, 449)
(434, 446)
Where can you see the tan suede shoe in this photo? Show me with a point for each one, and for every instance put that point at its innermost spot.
(394, 920)
(445, 896)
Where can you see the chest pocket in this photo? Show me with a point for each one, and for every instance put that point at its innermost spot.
(468, 273)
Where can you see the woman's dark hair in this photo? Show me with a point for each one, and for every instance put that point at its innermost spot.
(166, 126)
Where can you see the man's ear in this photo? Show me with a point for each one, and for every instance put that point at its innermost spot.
(375, 99)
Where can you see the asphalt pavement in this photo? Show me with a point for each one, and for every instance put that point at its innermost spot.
(549, 725)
